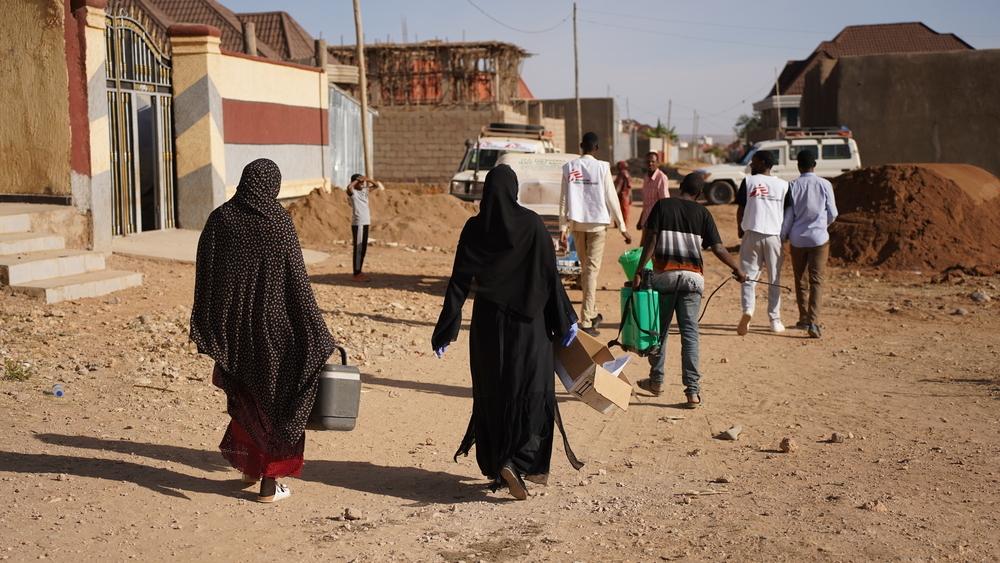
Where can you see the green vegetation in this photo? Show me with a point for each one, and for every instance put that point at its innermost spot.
(661, 132)
(746, 123)
(14, 370)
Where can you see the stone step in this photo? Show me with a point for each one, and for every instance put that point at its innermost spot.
(18, 223)
(18, 269)
(23, 243)
(81, 286)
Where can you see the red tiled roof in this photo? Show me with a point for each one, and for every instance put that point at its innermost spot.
(877, 39)
(208, 12)
(523, 92)
(281, 31)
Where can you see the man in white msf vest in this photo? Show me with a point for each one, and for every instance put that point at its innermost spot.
(760, 214)
(588, 205)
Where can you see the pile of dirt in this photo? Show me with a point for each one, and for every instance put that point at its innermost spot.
(401, 216)
(913, 216)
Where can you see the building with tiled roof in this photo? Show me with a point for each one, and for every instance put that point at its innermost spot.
(780, 109)
(281, 31)
(164, 13)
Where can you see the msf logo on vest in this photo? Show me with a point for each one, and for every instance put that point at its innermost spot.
(760, 190)
(575, 176)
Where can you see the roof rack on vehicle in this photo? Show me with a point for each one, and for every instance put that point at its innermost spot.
(817, 132)
(517, 130)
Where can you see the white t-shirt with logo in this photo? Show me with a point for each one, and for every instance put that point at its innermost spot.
(586, 200)
(764, 200)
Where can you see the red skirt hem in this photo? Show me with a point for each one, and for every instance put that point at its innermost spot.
(242, 452)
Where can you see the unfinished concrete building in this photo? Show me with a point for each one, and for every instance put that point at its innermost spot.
(433, 96)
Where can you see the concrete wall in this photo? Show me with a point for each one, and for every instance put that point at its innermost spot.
(230, 109)
(35, 135)
(935, 107)
(558, 128)
(600, 115)
(278, 111)
(426, 143)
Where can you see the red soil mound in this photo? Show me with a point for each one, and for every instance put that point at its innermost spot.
(402, 216)
(917, 216)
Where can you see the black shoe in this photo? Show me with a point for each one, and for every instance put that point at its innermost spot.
(596, 323)
(802, 325)
(814, 331)
(592, 331)
(514, 482)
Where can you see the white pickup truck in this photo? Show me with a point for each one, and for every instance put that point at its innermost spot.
(496, 140)
(539, 178)
(835, 150)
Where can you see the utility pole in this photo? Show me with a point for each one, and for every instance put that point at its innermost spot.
(695, 144)
(576, 78)
(363, 81)
(670, 111)
(777, 99)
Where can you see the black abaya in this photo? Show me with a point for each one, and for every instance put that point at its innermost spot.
(524, 308)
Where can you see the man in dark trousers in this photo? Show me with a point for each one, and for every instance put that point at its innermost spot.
(677, 230)
(812, 210)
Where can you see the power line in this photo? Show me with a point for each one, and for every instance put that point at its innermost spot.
(512, 28)
(737, 104)
(712, 24)
(691, 37)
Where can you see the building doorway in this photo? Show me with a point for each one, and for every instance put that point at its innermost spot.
(140, 116)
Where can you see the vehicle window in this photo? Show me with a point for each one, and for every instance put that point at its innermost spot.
(487, 158)
(836, 151)
(796, 149)
(775, 156)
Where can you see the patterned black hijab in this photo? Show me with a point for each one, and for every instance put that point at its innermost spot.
(255, 314)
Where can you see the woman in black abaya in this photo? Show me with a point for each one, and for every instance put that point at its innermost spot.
(520, 309)
(255, 314)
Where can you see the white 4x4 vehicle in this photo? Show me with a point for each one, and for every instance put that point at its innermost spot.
(494, 141)
(836, 152)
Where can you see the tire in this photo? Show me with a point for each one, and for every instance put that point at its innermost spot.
(720, 192)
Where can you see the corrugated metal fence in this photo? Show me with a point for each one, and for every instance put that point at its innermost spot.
(346, 154)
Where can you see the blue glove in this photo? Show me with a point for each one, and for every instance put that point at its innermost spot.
(440, 351)
(570, 335)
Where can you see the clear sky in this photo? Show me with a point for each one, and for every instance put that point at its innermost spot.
(717, 57)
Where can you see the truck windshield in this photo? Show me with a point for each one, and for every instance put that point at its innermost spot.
(487, 158)
(747, 157)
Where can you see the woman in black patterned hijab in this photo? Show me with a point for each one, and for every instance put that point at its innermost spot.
(255, 314)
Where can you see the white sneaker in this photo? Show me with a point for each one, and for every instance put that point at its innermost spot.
(280, 492)
(744, 327)
(777, 327)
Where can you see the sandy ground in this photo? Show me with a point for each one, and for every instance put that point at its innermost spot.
(125, 466)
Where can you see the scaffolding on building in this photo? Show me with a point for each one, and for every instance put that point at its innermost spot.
(440, 73)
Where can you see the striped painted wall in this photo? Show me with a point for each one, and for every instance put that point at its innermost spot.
(277, 111)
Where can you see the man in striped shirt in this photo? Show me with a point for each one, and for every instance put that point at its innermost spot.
(677, 230)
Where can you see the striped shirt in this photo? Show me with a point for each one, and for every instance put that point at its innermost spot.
(682, 229)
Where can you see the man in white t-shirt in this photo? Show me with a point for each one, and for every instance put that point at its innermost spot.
(587, 206)
(762, 199)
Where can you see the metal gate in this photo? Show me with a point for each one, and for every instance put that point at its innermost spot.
(140, 115)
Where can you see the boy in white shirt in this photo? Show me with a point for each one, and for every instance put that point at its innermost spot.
(762, 199)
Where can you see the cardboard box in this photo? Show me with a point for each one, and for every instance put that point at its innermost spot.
(589, 371)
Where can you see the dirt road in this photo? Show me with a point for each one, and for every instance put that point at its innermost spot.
(125, 466)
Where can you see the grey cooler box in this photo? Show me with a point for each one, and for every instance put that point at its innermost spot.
(338, 397)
